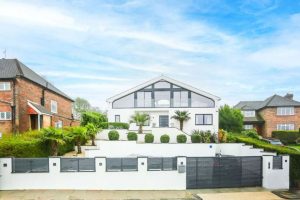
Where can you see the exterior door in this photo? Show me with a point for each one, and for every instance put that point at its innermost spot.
(163, 120)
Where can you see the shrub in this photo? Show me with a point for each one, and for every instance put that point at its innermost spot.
(222, 136)
(195, 137)
(214, 138)
(149, 138)
(286, 137)
(165, 138)
(230, 138)
(201, 136)
(92, 117)
(114, 125)
(298, 141)
(181, 138)
(132, 136)
(113, 135)
(251, 133)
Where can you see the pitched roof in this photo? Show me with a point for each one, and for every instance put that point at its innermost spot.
(164, 78)
(40, 109)
(12, 68)
(272, 101)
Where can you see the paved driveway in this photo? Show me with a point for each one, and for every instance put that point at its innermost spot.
(240, 195)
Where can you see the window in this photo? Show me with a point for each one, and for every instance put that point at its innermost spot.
(201, 101)
(53, 106)
(121, 164)
(58, 124)
(162, 98)
(162, 84)
(4, 86)
(285, 127)
(144, 99)
(203, 119)
(117, 118)
(248, 113)
(180, 99)
(285, 111)
(162, 164)
(248, 126)
(5, 115)
(124, 102)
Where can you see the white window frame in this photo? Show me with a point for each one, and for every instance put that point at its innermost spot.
(53, 103)
(5, 86)
(283, 111)
(58, 124)
(116, 117)
(248, 113)
(286, 127)
(248, 126)
(5, 114)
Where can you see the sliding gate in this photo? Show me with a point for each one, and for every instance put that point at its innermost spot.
(223, 172)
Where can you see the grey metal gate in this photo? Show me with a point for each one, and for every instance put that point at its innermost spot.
(223, 172)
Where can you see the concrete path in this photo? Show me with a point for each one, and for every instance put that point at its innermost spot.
(240, 195)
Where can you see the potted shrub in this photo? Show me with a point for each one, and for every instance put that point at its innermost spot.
(181, 138)
(149, 138)
(165, 138)
(113, 135)
(132, 136)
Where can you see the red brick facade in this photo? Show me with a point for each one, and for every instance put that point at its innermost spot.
(272, 119)
(22, 91)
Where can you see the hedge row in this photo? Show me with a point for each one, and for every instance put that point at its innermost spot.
(114, 125)
(286, 137)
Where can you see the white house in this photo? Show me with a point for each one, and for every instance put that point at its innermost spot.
(160, 98)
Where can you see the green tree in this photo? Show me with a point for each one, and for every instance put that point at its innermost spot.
(81, 105)
(231, 119)
(91, 131)
(55, 137)
(92, 117)
(140, 119)
(77, 134)
(181, 116)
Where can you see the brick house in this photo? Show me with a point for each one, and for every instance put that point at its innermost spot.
(28, 101)
(274, 113)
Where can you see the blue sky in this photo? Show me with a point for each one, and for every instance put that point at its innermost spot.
(237, 50)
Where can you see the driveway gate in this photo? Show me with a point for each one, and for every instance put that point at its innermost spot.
(223, 172)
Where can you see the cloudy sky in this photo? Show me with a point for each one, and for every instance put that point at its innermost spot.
(237, 50)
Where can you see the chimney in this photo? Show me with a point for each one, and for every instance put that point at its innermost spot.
(289, 96)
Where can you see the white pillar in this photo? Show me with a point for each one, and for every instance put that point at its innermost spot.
(39, 122)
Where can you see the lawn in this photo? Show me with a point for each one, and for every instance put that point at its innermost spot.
(295, 146)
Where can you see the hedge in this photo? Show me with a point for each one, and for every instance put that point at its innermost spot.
(286, 137)
(294, 155)
(132, 136)
(114, 125)
(113, 135)
(165, 138)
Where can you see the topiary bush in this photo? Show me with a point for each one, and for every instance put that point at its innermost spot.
(113, 135)
(132, 136)
(165, 138)
(149, 138)
(251, 133)
(286, 137)
(181, 138)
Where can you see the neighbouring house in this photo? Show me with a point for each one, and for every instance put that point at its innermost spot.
(28, 101)
(274, 113)
(160, 98)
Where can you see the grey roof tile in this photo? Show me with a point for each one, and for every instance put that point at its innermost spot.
(40, 108)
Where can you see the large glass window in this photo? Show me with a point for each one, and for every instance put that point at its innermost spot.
(144, 99)
(285, 111)
(180, 99)
(162, 98)
(201, 101)
(124, 102)
(162, 84)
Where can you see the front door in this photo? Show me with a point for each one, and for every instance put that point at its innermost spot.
(163, 120)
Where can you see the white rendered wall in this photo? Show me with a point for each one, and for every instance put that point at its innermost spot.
(276, 178)
(99, 180)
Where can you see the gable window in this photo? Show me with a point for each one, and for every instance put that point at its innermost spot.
(248, 126)
(5, 115)
(4, 86)
(285, 127)
(162, 84)
(248, 113)
(144, 99)
(201, 101)
(285, 111)
(124, 102)
(162, 98)
(117, 118)
(180, 99)
(53, 106)
(203, 119)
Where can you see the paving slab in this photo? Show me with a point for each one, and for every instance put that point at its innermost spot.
(265, 195)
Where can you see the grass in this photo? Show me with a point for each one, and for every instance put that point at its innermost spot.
(295, 146)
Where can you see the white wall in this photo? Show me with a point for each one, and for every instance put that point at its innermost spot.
(99, 180)
(276, 178)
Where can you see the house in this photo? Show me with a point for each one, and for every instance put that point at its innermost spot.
(28, 101)
(160, 98)
(274, 113)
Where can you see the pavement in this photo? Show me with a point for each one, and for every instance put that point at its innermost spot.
(206, 194)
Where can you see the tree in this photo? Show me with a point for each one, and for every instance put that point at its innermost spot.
(55, 137)
(181, 116)
(92, 117)
(92, 131)
(81, 105)
(231, 119)
(140, 119)
(78, 134)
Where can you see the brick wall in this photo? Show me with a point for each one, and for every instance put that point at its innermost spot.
(272, 119)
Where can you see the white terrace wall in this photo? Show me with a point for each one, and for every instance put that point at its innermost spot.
(98, 180)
